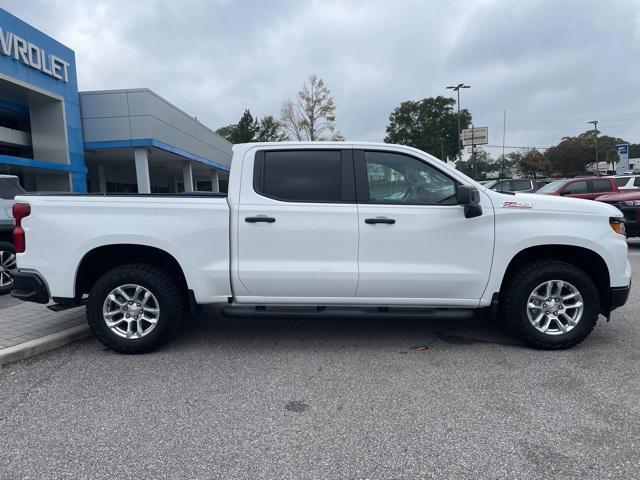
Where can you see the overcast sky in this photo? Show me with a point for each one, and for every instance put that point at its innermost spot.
(552, 64)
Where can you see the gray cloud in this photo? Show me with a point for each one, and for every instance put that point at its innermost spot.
(553, 65)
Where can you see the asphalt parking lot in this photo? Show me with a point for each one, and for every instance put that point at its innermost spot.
(330, 398)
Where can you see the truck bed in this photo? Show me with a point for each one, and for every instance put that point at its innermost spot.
(193, 228)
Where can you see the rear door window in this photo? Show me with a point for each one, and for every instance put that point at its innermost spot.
(304, 176)
(603, 185)
(520, 185)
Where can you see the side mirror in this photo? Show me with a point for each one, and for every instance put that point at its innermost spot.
(469, 197)
(565, 192)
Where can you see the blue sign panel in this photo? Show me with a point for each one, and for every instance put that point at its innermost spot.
(623, 149)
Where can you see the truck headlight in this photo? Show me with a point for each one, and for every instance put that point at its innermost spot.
(617, 224)
(632, 203)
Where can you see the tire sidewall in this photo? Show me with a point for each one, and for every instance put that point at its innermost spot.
(581, 282)
(7, 247)
(157, 283)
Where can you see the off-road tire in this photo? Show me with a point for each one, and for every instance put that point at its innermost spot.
(523, 280)
(170, 297)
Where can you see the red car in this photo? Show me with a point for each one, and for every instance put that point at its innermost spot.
(585, 187)
(629, 204)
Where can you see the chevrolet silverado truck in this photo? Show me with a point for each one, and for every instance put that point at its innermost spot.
(319, 226)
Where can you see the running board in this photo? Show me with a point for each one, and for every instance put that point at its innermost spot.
(326, 312)
(59, 307)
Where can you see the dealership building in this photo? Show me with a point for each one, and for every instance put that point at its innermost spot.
(58, 139)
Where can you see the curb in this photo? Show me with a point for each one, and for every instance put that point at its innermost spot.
(31, 348)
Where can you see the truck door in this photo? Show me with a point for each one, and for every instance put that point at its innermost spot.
(297, 226)
(415, 242)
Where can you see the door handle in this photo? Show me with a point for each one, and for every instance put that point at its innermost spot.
(260, 218)
(388, 221)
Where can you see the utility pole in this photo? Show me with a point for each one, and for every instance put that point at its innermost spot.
(595, 129)
(474, 166)
(442, 147)
(456, 88)
(504, 128)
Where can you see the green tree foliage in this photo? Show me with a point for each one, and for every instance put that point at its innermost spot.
(573, 154)
(312, 116)
(270, 130)
(430, 124)
(534, 164)
(250, 129)
(570, 157)
(484, 163)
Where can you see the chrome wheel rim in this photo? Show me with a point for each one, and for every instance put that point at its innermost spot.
(7, 263)
(131, 311)
(555, 307)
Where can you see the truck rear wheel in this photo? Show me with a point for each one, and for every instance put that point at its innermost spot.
(7, 263)
(134, 308)
(550, 304)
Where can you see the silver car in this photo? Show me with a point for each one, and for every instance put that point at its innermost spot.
(9, 188)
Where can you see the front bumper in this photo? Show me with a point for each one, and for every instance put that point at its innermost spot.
(618, 296)
(29, 287)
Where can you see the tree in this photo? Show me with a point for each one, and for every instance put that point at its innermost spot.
(269, 130)
(570, 157)
(534, 163)
(484, 164)
(242, 132)
(573, 154)
(250, 129)
(312, 116)
(430, 124)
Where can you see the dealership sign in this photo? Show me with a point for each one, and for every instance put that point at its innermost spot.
(475, 136)
(11, 45)
(623, 158)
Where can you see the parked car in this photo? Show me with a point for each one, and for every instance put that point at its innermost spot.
(583, 187)
(628, 182)
(322, 224)
(9, 188)
(628, 203)
(513, 185)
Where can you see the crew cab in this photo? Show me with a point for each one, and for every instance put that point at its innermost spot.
(586, 187)
(374, 227)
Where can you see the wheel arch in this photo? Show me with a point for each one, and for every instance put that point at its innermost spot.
(100, 260)
(584, 258)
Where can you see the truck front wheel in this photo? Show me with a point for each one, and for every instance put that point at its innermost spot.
(134, 308)
(550, 304)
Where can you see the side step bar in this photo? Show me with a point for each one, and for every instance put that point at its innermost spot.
(326, 312)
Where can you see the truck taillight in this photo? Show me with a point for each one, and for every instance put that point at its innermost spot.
(20, 210)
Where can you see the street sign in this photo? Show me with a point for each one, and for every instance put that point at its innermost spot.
(475, 136)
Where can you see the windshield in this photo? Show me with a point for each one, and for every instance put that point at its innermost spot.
(551, 187)
(490, 183)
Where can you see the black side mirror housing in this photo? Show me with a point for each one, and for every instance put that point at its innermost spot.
(469, 197)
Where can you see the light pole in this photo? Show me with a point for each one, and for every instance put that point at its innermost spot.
(595, 129)
(457, 88)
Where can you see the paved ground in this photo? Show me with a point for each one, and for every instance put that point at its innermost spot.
(24, 321)
(348, 399)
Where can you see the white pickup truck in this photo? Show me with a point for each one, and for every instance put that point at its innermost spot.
(375, 227)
